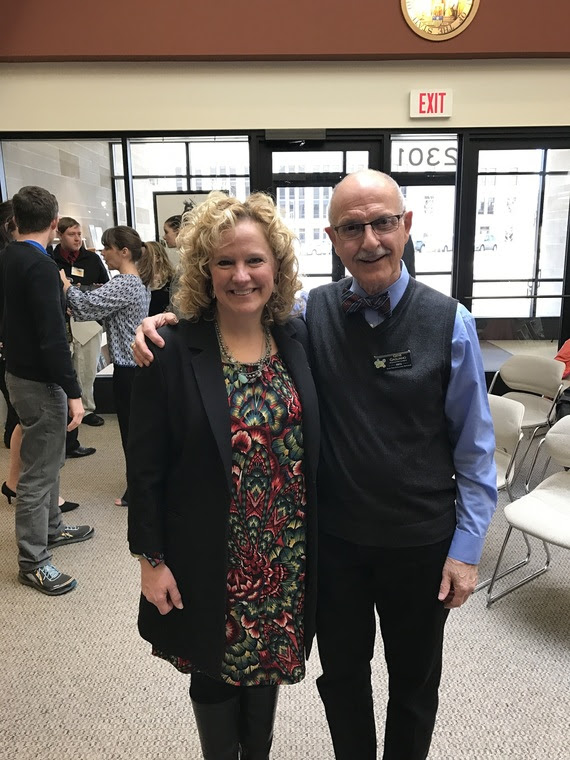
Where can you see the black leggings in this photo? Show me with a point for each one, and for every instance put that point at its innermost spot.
(207, 691)
(122, 387)
(11, 416)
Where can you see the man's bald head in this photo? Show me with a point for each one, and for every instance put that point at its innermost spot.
(362, 179)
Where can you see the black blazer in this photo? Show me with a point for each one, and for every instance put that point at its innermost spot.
(179, 472)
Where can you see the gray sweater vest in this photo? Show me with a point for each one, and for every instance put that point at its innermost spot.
(386, 468)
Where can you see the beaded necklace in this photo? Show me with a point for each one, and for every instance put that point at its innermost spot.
(245, 375)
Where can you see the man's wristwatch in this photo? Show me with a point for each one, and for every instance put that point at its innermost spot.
(153, 559)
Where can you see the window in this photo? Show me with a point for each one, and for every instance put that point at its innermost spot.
(519, 251)
(78, 172)
(183, 165)
(307, 162)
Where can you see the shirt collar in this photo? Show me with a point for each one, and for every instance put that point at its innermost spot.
(69, 256)
(38, 245)
(396, 290)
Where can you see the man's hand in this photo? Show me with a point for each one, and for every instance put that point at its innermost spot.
(76, 412)
(458, 581)
(148, 328)
(64, 280)
(159, 587)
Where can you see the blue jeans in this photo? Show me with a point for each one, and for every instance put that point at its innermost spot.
(42, 409)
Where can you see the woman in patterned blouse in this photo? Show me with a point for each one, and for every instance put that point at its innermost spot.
(120, 304)
(222, 460)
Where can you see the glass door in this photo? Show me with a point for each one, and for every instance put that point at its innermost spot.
(424, 165)
(303, 175)
(520, 245)
(433, 209)
(305, 207)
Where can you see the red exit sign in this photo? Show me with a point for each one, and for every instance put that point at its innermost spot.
(431, 104)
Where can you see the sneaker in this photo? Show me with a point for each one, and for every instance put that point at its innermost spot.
(48, 580)
(71, 534)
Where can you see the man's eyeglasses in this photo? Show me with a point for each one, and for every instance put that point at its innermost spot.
(381, 226)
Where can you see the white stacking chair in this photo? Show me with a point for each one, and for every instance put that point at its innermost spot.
(544, 513)
(536, 382)
(507, 417)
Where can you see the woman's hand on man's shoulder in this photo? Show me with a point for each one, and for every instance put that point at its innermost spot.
(148, 329)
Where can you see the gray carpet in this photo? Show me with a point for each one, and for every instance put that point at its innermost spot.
(77, 682)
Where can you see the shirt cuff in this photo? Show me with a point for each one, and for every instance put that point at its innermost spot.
(154, 559)
(465, 547)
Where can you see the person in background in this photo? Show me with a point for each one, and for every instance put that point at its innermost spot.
(409, 257)
(86, 270)
(407, 481)
(42, 385)
(7, 224)
(170, 229)
(12, 428)
(7, 233)
(563, 356)
(157, 270)
(563, 403)
(120, 304)
(222, 461)
(65, 255)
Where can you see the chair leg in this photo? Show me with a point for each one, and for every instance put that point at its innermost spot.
(532, 437)
(497, 576)
(533, 464)
(483, 584)
(522, 563)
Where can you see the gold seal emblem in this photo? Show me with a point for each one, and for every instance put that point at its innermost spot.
(438, 21)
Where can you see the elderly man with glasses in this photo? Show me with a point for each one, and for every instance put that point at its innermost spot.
(406, 484)
(406, 479)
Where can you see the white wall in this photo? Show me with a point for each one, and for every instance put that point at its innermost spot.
(287, 95)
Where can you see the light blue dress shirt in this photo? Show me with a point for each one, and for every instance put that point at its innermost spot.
(470, 428)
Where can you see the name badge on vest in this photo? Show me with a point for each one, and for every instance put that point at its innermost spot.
(77, 272)
(401, 360)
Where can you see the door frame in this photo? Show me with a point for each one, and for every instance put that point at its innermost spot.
(263, 146)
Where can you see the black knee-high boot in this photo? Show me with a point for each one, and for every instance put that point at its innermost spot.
(257, 716)
(218, 727)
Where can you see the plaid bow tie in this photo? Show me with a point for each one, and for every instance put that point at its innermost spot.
(352, 303)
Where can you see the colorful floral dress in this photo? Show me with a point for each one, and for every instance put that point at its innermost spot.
(266, 539)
